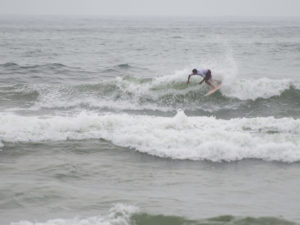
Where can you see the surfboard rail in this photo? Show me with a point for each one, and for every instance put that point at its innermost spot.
(213, 90)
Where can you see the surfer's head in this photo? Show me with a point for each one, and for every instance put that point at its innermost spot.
(194, 71)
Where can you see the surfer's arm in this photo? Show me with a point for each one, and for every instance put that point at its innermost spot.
(189, 77)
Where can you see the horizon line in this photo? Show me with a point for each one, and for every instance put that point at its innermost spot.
(147, 16)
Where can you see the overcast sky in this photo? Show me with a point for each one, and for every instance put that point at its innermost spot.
(152, 7)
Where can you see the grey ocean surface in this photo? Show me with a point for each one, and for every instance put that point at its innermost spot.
(98, 125)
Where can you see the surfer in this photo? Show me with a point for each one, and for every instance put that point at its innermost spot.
(205, 73)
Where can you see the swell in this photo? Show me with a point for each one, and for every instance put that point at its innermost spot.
(15, 66)
(33, 72)
(143, 219)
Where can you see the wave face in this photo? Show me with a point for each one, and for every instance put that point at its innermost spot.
(128, 215)
(237, 97)
(178, 137)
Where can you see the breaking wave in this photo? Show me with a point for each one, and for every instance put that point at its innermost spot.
(178, 137)
(129, 215)
(166, 94)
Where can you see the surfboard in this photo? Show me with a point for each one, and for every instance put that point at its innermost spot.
(213, 90)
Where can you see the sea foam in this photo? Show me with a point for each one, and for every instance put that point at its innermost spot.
(120, 214)
(157, 93)
(178, 137)
(253, 89)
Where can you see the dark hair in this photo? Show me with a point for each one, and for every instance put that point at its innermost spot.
(194, 71)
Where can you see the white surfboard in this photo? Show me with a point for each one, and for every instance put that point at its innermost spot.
(213, 90)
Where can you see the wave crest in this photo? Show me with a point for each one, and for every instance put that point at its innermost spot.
(254, 89)
(169, 93)
(237, 97)
(122, 214)
(178, 137)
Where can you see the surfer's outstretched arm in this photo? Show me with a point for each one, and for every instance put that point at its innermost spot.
(189, 77)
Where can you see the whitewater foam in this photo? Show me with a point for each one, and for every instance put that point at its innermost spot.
(151, 93)
(253, 89)
(120, 214)
(178, 137)
(166, 93)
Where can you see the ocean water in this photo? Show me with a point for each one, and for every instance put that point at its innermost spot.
(98, 125)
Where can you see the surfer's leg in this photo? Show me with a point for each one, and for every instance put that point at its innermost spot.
(210, 84)
(218, 81)
(208, 79)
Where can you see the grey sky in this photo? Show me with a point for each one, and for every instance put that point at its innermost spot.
(153, 7)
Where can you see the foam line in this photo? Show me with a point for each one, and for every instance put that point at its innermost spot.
(178, 137)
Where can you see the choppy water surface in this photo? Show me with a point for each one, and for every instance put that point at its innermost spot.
(97, 124)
